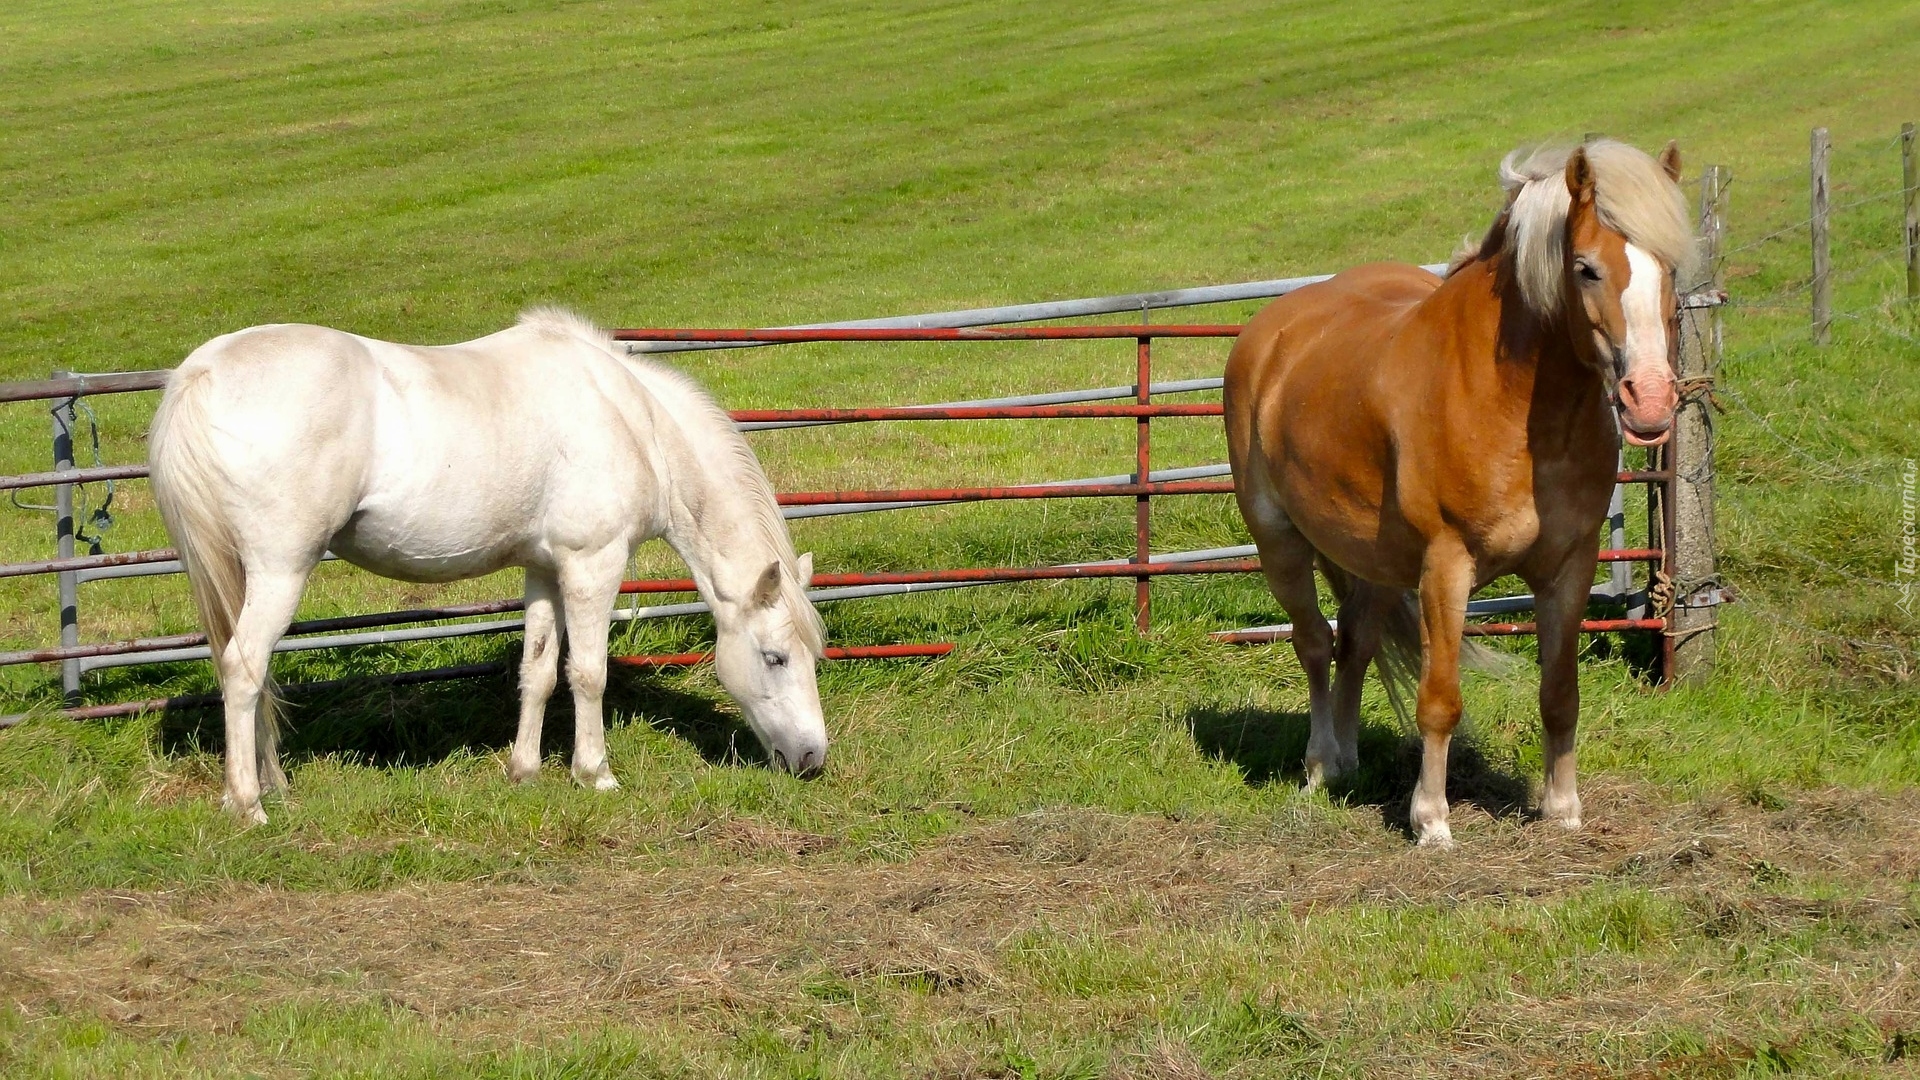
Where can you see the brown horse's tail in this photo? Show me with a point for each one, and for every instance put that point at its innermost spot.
(1398, 660)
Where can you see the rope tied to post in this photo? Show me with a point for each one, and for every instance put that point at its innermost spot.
(1668, 597)
(1696, 388)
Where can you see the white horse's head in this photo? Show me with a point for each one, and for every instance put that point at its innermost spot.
(765, 655)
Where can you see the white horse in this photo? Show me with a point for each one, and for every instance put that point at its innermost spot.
(541, 446)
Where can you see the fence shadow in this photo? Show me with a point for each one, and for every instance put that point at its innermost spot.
(424, 723)
(1268, 747)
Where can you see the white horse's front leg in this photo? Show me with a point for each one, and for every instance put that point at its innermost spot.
(539, 670)
(589, 585)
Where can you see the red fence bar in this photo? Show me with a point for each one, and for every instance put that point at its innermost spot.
(850, 652)
(975, 412)
(58, 653)
(745, 416)
(815, 498)
(1015, 491)
(1632, 555)
(1038, 573)
(924, 333)
(1587, 626)
(1055, 412)
(979, 574)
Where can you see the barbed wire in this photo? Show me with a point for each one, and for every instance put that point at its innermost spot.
(1751, 597)
(1881, 326)
(1807, 221)
(1826, 470)
(1769, 302)
(1801, 553)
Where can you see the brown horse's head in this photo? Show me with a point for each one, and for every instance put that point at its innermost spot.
(1596, 236)
(1620, 301)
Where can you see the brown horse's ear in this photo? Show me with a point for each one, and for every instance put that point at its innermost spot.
(1670, 160)
(1580, 176)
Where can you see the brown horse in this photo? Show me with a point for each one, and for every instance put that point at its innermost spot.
(1416, 432)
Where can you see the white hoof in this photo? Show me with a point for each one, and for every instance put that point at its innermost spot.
(599, 778)
(246, 813)
(1562, 812)
(1437, 835)
(520, 773)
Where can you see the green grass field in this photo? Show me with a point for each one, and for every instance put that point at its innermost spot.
(1063, 851)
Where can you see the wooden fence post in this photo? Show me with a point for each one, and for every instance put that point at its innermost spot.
(1822, 285)
(1910, 180)
(1696, 593)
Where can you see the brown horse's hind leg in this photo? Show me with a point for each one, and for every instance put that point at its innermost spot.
(1287, 560)
(1446, 580)
(1364, 608)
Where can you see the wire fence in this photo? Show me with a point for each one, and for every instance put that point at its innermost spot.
(1755, 383)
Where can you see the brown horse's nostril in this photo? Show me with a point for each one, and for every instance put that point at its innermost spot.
(1637, 404)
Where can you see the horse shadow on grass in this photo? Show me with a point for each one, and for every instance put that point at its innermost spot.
(1270, 748)
(424, 723)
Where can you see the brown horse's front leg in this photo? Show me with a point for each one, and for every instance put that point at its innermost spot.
(1446, 580)
(1559, 604)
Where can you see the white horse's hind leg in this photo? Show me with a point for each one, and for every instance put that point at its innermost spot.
(270, 603)
(589, 585)
(539, 670)
(266, 736)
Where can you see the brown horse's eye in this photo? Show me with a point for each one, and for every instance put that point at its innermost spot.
(1587, 270)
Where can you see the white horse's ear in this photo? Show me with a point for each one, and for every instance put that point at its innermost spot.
(805, 566)
(766, 591)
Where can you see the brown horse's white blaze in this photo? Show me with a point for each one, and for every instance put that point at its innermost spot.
(1626, 297)
(1407, 432)
(1646, 391)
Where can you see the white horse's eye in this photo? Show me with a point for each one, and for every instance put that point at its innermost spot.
(774, 659)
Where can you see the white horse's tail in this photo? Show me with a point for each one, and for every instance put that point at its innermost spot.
(186, 477)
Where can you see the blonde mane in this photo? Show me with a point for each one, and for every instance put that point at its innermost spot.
(691, 406)
(1631, 192)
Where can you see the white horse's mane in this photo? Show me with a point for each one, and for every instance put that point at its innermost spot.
(1631, 191)
(689, 404)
